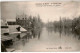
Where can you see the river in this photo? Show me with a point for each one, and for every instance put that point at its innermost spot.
(48, 41)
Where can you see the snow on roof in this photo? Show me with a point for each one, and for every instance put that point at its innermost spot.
(11, 20)
(3, 22)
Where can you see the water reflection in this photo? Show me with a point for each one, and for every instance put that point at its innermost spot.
(46, 38)
(23, 38)
(63, 31)
(18, 36)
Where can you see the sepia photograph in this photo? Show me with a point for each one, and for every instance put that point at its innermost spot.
(40, 26)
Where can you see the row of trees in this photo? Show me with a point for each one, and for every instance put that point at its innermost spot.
(66, 24)
(29, 21)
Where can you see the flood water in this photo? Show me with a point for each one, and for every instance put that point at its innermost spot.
(48, 41)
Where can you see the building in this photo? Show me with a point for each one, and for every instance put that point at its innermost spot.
(14, 27)
(4, 27)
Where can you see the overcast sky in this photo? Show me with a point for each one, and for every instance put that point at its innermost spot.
(51, 13)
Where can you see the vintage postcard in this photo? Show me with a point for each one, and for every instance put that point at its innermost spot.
(40, 26)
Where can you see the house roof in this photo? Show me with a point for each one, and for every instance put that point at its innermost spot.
(3, 22)
(10, 20)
